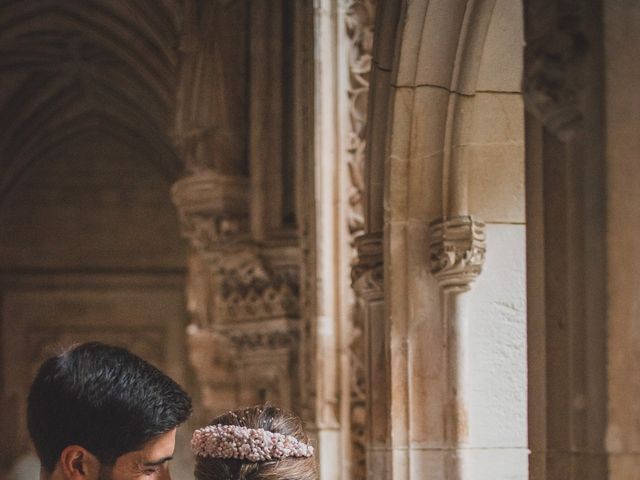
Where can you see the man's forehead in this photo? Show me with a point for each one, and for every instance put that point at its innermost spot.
(160, 448)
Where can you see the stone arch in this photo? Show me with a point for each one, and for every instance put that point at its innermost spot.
(448, 74)
(110, 65)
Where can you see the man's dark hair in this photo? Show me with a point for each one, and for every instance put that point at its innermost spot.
(102, 398)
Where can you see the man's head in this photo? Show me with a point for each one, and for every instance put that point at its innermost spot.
(98, 411)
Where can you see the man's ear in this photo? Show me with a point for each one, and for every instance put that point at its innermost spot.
(77, 463)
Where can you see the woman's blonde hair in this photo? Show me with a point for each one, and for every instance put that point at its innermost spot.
(269, 418)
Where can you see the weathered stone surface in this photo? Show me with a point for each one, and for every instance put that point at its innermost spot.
(330, 163)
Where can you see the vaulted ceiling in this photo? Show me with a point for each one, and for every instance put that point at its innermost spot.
(68, 67)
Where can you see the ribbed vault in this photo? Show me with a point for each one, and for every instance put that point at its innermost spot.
(69, 67)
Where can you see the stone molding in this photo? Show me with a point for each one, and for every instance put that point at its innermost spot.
(368, 282)
(358, 397)
(457, 251)
(263, 335)
(359, 24)
(553, 84)
(367, 274)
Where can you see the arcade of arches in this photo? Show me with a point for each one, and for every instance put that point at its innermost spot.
(409, 221)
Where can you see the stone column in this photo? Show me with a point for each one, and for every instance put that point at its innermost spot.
(622, 99)
(367, 275)
(236, 202)
(457, 252)
(244, 306)
(213, 211)
(359, 20)
(566, 244)
(582, 182)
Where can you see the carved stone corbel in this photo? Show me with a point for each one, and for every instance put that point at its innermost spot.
(457, 250)
(552, 83)
(367, 274)
(213, 209)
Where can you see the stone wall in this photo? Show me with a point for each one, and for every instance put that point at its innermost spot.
(90, 250)
(349, 178)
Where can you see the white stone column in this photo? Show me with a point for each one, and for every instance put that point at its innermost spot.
(457, 252)
(326, 240)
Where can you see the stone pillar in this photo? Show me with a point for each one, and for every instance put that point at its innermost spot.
(582, 184)
(237, 201)
(367, 275)
(244, 306)
(566, 241)
(622, 99)
(359, 20)
(213, 211)
(457, 253)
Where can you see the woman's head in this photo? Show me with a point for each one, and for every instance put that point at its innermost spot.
(298, 464)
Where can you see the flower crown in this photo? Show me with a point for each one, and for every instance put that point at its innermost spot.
(243, 443)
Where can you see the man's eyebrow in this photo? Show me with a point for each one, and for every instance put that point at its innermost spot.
(158, 462)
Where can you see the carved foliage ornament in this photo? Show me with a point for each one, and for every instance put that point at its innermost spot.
(247, 289)
(359, 23)
(359, 20)
(457, 250)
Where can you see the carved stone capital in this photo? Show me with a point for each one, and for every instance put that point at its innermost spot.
(552, 84)
(457, 250)
(213, 208)
(367, 274)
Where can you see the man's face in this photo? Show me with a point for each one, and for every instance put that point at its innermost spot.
(149, 463)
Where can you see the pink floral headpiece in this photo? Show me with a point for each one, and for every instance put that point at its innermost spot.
(253, 444)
